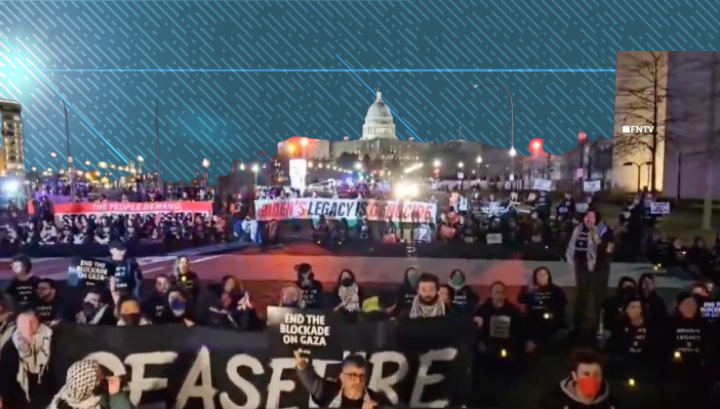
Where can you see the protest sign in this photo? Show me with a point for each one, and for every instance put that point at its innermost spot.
(69, 212)
(591, 186)
(90, 271)
(494, 238)
(306, 330)
(350, 209)
(542, 184)
(659, 208)
(423, 363)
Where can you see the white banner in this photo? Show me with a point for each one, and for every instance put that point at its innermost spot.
(350, 209)
(298, 173)
(542, 184)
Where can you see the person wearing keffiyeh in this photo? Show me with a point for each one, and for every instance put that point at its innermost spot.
(349, 296)
(427, 302)
(24, 376)
(86, 388)
(350, 391)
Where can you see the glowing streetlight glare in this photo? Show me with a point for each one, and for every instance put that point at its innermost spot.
(140, 159)
(358, 166)
(413, 168)
(80, 172)
(291, 148)
(436, 163)
(304, 142)
(512, 152)
(87, 163)
(242, 166)
(112, 166)
(53, 155)
(97, 173)
(206, 163)
(461, 165)
(255, 168)
(478, 159)
(102, 165)
(34, 169)
(49, 170)
(405, 190)
(310, 165)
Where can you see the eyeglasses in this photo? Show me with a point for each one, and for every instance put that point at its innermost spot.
(355, 376)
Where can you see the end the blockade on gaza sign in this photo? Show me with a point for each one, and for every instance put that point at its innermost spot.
(301, 329)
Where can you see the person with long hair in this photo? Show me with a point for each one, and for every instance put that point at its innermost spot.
(187, 279)
(349, 296)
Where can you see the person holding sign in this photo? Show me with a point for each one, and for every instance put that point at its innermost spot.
(350, 391)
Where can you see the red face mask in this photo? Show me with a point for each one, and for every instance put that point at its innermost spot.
(589, 387)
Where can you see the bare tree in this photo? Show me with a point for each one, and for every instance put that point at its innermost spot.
(644, 93)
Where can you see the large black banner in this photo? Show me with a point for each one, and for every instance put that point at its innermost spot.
(423, 363)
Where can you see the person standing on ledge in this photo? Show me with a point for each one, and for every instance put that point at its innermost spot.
(589, 269)
(350, 391)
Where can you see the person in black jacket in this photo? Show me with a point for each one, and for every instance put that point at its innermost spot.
(349, 296)
(585, 388)
(654, 306)
(612, 308)
(95, 310)
(465, 300)
(545, 305)
(25, 375)
(312, 289)
(350, 391)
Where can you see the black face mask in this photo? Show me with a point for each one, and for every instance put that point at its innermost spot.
(309, 276)
(131, 320)
(89, 309)
(347, 282)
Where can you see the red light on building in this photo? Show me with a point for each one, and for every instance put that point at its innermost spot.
(583, 137)
(536, 146)
(304, 142)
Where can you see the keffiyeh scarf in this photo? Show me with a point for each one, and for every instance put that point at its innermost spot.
(78, 392)
(337, 401)
(81, 318)
(420, 310)
(143, 321)
(349, 297)
(34, 356)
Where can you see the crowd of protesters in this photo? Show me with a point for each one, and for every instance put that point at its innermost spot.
(646, 341)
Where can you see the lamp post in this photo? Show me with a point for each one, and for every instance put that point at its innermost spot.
(639, 167)
(255, 170)
(206, 165)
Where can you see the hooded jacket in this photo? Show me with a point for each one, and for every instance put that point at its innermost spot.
(405, 294)
(565, 397)
(654, 306)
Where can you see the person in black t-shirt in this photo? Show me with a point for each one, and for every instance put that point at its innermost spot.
(545, 305)
(311, 289)
(464, 299)
(126, 270)
(155, 306)
(350, 391)
(22, 288)
(406, 292)
(49, 307)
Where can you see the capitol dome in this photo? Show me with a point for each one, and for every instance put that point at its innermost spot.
(379, 121)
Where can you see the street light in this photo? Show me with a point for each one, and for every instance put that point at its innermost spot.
(140, 159)
(436, 163)
(242, 166)
(512, 115)
(638, 166)
(358, 166)
(255, 170)
(206, 163)
(53, 155)
(478, 160)
(461, 165)
(102, 165)
(304, 142)
(87, 163)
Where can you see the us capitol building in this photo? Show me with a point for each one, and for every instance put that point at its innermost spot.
(379, 138)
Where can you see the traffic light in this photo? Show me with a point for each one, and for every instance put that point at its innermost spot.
(536, 147)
